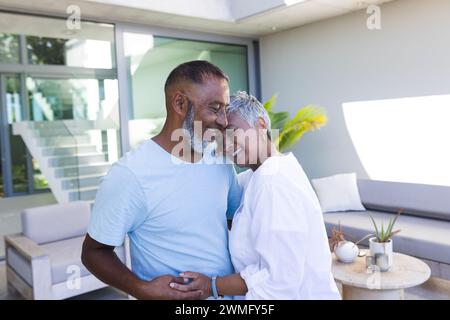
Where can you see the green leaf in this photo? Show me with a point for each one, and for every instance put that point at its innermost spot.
(269, 103)
(308, 118)
(390, 226)
(392, 223)
(278, 119)
(377, 233)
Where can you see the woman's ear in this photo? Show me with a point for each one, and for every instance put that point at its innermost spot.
(261, 123)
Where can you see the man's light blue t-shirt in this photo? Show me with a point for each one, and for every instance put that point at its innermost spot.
(175, 213)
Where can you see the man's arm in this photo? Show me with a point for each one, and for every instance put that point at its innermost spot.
(231, 285)
(102, 261)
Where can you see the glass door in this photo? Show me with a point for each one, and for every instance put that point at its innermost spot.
(62, 85)
(149, 60)
(15, 160)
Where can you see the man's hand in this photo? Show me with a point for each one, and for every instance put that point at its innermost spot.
(159, 289)
(200, 283)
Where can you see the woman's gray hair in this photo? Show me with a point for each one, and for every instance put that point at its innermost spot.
(249, 108)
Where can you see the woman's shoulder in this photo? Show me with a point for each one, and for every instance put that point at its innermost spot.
(244, 178)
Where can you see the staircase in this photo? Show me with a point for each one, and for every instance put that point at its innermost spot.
(71, 162)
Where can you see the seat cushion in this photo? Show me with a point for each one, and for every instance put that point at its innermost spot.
(416, 199)
(56, 222)
(62, 254)
(420, 237)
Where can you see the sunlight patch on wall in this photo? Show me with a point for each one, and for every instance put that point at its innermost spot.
(403, 140)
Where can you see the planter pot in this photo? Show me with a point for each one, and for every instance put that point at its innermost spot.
(381, 247)
(346, 251)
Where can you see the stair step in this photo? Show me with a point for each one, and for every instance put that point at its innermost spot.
(68, 150)
(63, 140)
(74, 171)
(61, 124)
(75, 160)
(51, 132)
(81, 181)
(83, 194)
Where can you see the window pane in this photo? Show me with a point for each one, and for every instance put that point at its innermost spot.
(2, 189)
(46, 50)
(39, 180)
(49, 41)
(150, 60)
(18, 149)
(9, 48)
(86, 53)
(65, 99)
(91, 103)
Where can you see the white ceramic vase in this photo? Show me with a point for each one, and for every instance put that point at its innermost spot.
(381, 247)
(346, 251)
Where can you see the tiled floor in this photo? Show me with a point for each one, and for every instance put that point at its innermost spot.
(433, 289)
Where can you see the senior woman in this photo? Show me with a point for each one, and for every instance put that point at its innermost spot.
(278, 243)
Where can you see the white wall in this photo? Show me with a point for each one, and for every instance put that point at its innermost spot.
(339, 60)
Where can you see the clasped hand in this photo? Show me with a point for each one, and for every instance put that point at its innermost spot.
(200, 283)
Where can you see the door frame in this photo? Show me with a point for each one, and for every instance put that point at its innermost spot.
(5, 143)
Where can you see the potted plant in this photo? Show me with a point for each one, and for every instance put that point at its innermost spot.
(345, 251)
(306, 119)
(381, 242)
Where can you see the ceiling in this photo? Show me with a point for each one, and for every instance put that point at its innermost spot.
(249, 18)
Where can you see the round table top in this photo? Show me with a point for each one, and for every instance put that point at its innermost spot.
(406, 272)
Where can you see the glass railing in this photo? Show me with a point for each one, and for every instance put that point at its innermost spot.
(73, 155)
(73, 162)
(96, 148)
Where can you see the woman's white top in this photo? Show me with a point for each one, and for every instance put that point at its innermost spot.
(278, 241)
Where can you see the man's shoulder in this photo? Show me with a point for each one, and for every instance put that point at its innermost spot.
(139, 158)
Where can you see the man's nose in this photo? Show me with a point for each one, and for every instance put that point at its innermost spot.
(222, 119)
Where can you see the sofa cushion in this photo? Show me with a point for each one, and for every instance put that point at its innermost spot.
(416, 199)
(56, 222)
(62, 254)
(420, 237)
(338, 193)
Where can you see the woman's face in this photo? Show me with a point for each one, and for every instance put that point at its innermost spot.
(244, 142)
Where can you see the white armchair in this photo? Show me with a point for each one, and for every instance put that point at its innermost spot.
(44, 262)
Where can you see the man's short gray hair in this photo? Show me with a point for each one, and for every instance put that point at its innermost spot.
(249, 108)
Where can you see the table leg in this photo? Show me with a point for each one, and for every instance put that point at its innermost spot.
(354, 293)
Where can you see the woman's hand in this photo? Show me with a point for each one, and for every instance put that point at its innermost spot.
(199, 282)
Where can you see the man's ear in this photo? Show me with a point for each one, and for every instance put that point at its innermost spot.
(180, 104)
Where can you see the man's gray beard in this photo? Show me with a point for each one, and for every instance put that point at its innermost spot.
(188, 124)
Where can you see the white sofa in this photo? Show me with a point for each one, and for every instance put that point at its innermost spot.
(44, 262)
(424, 225)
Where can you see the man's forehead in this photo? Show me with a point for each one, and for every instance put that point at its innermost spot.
(212, 89)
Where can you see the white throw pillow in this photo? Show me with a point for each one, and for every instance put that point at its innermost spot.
(338, 193)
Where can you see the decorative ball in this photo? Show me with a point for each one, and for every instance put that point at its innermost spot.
(346, 251)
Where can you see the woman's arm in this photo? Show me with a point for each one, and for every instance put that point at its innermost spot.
(231, 285)
(279, 237)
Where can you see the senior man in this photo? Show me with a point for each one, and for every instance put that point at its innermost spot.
(174, 212)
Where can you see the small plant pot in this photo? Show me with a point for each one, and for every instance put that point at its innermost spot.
(381, 247)
(346, 251)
